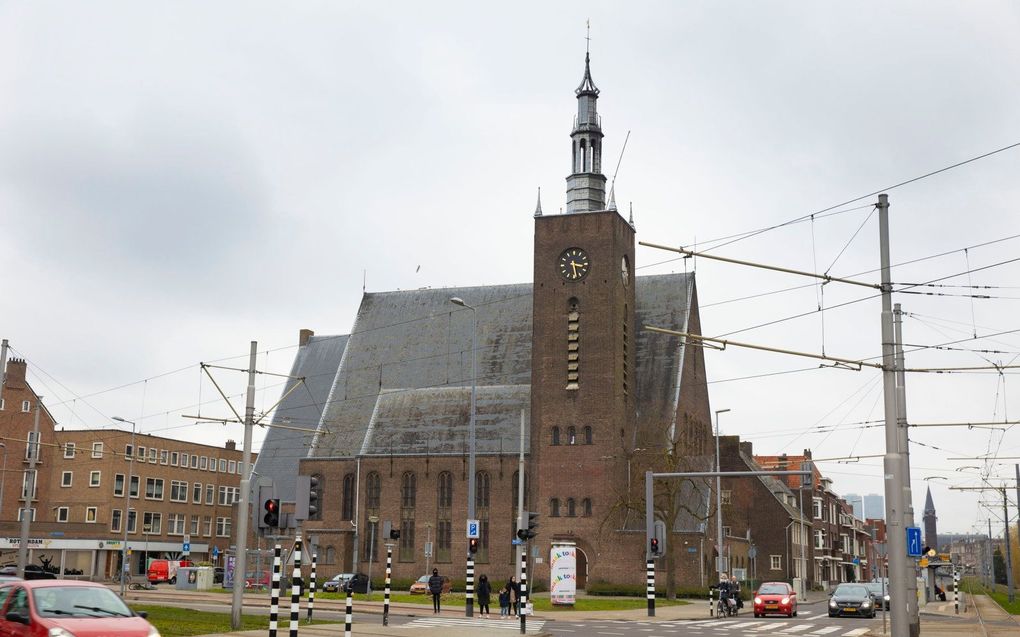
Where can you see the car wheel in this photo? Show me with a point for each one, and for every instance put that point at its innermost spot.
(757, 615)
(794, 614)
(831, 615)
(172, 581)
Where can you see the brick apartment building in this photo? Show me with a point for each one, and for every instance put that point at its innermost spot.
(176, 488)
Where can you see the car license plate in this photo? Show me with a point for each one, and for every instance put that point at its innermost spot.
(850, 609)
(771, 606)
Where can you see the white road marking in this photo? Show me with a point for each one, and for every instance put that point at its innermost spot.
(826, 630)
(770, 626)
(797, 629)
(855, 632)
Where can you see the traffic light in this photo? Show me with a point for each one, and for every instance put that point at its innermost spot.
(394, 534)
(473, 545)
(306, 498)
(530, 532)
(657, 540)
(266, 492)
(272, 508)
(313, 498)
(653, 547)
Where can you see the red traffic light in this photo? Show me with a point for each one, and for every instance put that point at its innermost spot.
(272, 517)
(654, 546)
(473, 545)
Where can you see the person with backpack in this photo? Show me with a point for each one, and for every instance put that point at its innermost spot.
(436, 588)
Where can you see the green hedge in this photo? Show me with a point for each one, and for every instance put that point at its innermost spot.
(638, 590)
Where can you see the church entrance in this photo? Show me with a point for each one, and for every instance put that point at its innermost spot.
(582, 569)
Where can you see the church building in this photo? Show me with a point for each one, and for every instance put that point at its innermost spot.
(561, 363)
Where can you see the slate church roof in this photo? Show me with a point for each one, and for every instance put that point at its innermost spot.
(400, 382)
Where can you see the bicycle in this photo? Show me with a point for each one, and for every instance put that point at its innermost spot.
(141, 586)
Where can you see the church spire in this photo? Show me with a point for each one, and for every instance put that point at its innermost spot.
(538, 207)
(586, 185)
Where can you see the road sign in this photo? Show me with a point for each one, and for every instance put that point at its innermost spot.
(751, 552)
(472, 529)
(913, 541)
(692, 549)
(215, 552)
(186, 548)
(428, 549)
(516, 542)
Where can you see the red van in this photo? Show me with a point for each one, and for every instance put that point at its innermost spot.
(165, 570)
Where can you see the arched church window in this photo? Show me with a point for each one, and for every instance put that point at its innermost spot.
(587, 435)
(571, 436)
(556, 435)
(554, 508)
(571, 508)
(372, 490)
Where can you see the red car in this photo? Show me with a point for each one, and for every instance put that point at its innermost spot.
(775, 598)
(63, 608)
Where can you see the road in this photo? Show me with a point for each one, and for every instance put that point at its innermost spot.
(806, 623)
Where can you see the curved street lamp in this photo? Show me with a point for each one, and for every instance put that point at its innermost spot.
(127, 509)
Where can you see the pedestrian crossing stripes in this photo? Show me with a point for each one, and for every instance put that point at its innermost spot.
(793, 628)
(513, 625)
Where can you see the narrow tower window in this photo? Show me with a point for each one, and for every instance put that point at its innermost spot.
(626, 357)
(573, 344)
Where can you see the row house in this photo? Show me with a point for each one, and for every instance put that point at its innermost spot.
(842, 546)
(763, 512)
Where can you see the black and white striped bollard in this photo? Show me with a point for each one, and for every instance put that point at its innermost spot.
(522, 600)
(469, 587)
(956, 590)
(349, 614)
(711, 606)
(295, 590)
(311, 587)
(274, 594)
(650, 588)
(386, 594)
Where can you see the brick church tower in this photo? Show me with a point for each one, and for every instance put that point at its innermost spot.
(582, 394)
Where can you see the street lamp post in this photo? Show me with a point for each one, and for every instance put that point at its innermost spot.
(374, 521)
(127, 508)
(718, 499)
(469, 602)
(3, 476)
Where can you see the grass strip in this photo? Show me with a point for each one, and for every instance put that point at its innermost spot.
(185, 622)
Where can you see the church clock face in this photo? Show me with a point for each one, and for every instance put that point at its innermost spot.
(574, 264)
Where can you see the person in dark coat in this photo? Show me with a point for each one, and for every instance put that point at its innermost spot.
(515, 595)
(484, 592)
(436, 588)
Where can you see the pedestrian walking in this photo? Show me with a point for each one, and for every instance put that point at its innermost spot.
(504, 603)
(436, 588)
(515, 593)
(484, 591)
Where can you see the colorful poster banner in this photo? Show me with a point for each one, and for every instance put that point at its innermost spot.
(563, 575)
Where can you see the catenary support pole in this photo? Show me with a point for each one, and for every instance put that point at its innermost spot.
(1009, 550)
(522, 599)
(913, 611)
(650, 587)
(893, 461)
(274, 593)
(311, 587)
(241, 561)
(295, 590)
(519, 549)
(30, 487)
(386, 593)
(956, 590)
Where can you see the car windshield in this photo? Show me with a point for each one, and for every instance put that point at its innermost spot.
(876, 588)
(78, 601)
(424, 579)
(851, 591)
(772, 589)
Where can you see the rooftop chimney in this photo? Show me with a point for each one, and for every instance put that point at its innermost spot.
(304, 336)
(231, 445)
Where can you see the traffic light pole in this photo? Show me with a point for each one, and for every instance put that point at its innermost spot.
(241, 558)
(520, 548)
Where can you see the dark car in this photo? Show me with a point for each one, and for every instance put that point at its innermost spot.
(336, 583)
(852, 600)
(218, 575)
(32, 571)
(880, 592)
(357, 584)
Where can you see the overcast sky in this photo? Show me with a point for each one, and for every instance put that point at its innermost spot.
(177, 179)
